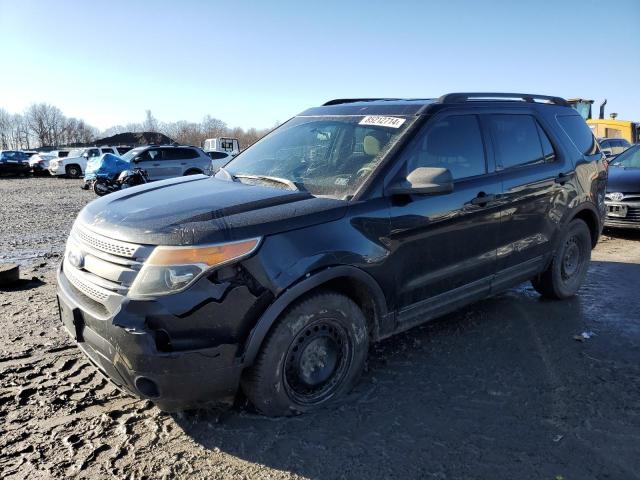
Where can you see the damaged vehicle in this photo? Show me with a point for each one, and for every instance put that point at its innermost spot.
(347, 224)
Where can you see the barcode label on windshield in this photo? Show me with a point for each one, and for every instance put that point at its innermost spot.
(381, 121)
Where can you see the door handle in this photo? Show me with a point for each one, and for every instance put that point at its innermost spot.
(183, 163)
(155, 164)
(563, 178)
(482, 199)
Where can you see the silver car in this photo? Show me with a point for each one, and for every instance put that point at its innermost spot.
(168, 161)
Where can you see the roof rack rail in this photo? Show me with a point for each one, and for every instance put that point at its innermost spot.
(339, 101)
(494, 96)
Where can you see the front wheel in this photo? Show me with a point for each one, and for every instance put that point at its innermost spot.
(74, 171)
(313, 355)
(564, 276)
(100, 187)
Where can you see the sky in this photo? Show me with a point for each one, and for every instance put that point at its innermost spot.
(253, 63)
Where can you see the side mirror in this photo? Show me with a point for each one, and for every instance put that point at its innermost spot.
(136, 160)
(85, 155)
(424, 181)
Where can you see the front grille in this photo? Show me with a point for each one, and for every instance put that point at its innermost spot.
(632, 202)
(108, 245)
(102, 268)
(633, 214)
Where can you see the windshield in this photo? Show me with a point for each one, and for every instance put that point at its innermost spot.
(131, 154)
(326, 156)
(76, 152)
(630, 158)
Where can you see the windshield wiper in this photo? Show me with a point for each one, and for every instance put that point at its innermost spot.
(282, 181)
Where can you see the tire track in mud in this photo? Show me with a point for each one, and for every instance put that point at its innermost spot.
(61, 417)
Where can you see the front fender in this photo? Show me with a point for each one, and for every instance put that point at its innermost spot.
(304, 285)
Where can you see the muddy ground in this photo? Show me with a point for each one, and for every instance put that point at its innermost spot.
(499, 390)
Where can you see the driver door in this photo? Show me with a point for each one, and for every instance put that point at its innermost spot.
(445, 245)
(151, 161)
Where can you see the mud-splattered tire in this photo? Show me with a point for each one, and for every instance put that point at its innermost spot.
(564, 276)
(312, 356)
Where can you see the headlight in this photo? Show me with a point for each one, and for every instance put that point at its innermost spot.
(172, 269)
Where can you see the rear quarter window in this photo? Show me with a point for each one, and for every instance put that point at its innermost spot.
(579, 133)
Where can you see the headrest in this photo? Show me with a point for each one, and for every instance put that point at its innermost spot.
(371, 145)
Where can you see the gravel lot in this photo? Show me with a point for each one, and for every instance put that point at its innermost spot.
(498, 390)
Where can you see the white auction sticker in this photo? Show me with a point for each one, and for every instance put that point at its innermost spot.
(381, 121)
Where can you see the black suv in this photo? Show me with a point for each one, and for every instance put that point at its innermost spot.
(350, 222)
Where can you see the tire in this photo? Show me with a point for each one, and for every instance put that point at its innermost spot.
(100, 188)
(565, 274)
(192, 172)
(73, 171)
(312, 356)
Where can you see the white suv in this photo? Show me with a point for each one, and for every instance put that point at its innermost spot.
(74, 164)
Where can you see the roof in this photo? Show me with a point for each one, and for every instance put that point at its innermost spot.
(416, 106)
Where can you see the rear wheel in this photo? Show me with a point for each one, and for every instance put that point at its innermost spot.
(313, 355)
(73, 171)
(567, 270)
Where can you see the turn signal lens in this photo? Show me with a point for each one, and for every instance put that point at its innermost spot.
(209, 255)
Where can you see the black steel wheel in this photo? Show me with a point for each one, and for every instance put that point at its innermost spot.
(317, 361)
(312, 356)
(565, 274)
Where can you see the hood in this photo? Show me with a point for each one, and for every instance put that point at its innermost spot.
(625, 180)
(199, 209)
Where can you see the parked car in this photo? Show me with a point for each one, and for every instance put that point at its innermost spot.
(623, 190)
(168, 161)
(74, 164)
(39, 163)
(613, 146)
(14, 162)
(352, 221)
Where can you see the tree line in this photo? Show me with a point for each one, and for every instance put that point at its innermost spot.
(44, 125)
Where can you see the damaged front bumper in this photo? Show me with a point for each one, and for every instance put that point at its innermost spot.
(181, 351)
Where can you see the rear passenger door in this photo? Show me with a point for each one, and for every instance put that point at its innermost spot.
(444, 246)
(176, 161)
(532, 174)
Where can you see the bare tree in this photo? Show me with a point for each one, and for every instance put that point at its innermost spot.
(45, 123)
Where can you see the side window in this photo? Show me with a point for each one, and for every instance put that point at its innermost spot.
(94, 152)
(177, 153)
(188, 153)
(516, 140)
(217, 155)
(153, 154)
(579, 133)
(107, 150)
(170, 154)
(547, 149)
(454, 142)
